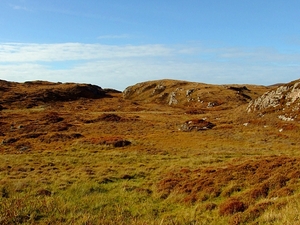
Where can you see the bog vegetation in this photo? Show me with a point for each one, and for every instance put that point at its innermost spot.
(79, 154)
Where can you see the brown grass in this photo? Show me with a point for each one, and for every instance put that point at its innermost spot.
(231, 206)
(126, 161)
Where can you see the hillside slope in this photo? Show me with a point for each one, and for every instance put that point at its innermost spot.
(183, 93)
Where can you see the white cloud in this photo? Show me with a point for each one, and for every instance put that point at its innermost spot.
(121, 66)
(18, 7)
(16, 52)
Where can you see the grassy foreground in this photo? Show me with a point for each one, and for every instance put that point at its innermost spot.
(89, 184)
(85, 185)
(235, 173)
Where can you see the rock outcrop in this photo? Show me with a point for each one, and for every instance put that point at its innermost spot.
(281, 98)
(196, 125)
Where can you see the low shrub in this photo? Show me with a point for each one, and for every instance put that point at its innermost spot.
(231, 206)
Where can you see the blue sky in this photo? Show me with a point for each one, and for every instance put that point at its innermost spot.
(118, 43)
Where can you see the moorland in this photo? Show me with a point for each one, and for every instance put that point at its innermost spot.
(159, 152)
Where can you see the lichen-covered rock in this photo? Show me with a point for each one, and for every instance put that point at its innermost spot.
(196, 125)
(281, 98)
(172, 99)
(158, 89)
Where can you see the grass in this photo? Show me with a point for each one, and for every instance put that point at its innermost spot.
(70, 173)
(112, 186)
(89, 190)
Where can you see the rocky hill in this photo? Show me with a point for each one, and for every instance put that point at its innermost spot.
(183, 93)
(284, 101)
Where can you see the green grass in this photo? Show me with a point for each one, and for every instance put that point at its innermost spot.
(112, 187)
(96, 185)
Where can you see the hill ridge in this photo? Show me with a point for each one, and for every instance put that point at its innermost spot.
(185, 93)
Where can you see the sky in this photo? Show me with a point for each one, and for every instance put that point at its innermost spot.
(117, 43)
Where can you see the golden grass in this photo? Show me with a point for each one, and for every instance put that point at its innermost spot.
(61, 166)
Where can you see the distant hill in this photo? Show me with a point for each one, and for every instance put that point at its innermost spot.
(33, 93)
(184, 93)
